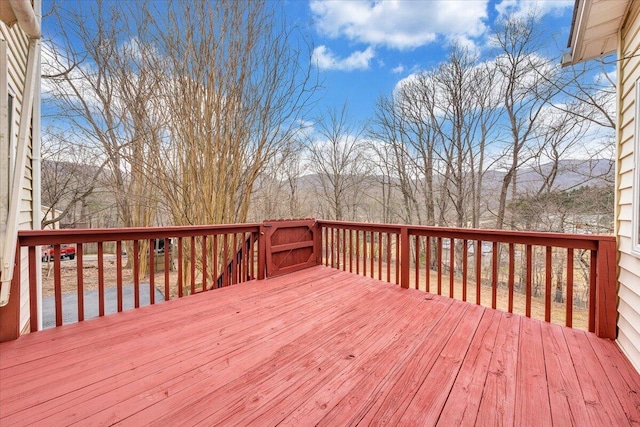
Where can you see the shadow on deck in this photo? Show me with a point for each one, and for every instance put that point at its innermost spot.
(318, 346)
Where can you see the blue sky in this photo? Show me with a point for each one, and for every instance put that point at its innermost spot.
(363, 48)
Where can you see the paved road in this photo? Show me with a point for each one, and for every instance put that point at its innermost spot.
(70, 304)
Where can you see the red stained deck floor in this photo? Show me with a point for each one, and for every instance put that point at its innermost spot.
(318, 346)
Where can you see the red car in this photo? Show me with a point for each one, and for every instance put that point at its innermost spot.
(66, 251)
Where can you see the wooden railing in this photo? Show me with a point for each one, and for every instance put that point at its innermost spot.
(562, 278)
(193, 259)
(551, 276)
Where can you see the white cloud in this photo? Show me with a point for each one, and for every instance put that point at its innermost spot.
(464, 42)
(523, 8)
(397, 70)
(397, 24)
(358, 60)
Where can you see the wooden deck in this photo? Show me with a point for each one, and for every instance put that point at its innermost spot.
(318, 346)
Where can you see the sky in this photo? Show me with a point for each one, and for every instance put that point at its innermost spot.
(362, 49)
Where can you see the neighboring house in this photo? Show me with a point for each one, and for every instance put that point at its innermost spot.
(601, 27)
(19, 150)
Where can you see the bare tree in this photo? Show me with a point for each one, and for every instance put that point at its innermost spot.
(92, 83)
(187, 105)
(277, 192)
(69, 177)
(525, 94)
(336, 156)
(236, 91)
(392, 132)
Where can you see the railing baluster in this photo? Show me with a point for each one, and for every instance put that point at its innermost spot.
(427, 268)
(204, 262)
(547, 284)
(80, 280)
(234, 259)
(397, 259)
(465, 253)
(57, 279)
(337, 249)
(372, 254)
(215, 261)
(136, 273)
(234, 254)
(225, 260)
(324, 245)
(101, 279)
(494, 278)
(452, 265)
(379, 255)
(167, 257)
(344, 249)
(192, 262)
(119, 274)
(528, 281)
(405, 261)
(339, 254)
(333, 230)
(254, 239)
(592, 290)
(417, 262)
(350, 251)
(511, 275)
(152, 271)
(478, 254)
(440, 265)
(246, 244)
(569, 299)
(238, 254)
(243, 259)
(33, 289)
(388, 240)
(364, 253)
(180, 291)
(357, 251)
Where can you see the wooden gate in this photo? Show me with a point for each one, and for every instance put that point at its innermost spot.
(290, 245)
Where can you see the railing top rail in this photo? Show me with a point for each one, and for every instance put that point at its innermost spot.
(578, 241)
(89, 235)
(368, 226)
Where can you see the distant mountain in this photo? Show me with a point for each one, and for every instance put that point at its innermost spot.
(571, 174)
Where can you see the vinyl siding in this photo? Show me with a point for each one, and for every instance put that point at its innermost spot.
(17, 51)
(629, 263)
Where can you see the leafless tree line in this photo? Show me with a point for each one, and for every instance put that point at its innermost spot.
(184, 107)
(203, 116)
(470, 143)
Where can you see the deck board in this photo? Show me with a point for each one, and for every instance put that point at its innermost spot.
(315, 347)
(464, 398)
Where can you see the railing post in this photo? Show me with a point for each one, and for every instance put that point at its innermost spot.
(606, 294)
(10, 313)
(404, 257)
(262, 252)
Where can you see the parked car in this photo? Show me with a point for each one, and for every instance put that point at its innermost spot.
(66, 252)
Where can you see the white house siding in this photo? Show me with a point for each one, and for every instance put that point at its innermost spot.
(17, 50)
(629, 264)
